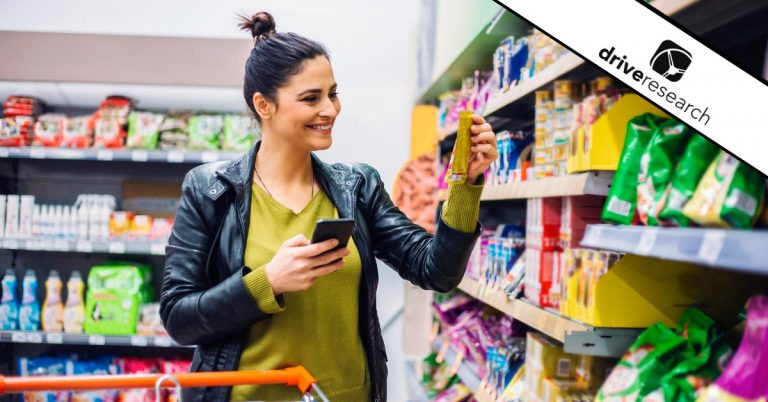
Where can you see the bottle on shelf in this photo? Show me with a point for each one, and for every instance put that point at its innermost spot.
(9, 308)
(74, 310)
(53, 309)
(29, 312)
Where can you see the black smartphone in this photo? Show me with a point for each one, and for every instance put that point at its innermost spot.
(340, 229)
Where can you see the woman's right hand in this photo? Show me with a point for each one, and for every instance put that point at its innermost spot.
(298, 263)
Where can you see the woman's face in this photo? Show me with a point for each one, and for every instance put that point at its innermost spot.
(307, 107)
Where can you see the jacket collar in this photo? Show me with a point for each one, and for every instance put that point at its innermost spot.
(239, 172)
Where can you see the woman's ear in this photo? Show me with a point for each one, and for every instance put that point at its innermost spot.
(262, 106)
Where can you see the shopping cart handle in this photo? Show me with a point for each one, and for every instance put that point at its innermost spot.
(293, 376)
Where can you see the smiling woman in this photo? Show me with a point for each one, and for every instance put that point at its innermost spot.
(242, 280)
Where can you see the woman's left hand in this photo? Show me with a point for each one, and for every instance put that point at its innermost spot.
(483, 151)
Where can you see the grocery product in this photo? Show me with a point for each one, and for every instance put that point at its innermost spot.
(239, 133)
(108, 123)
(459, 164)
(730, 194)
(743, 379)
(49, 130)
(621, 204)
(204, 131)
(115, 294)
(143, 130)
(699, 154)
(74, 309)
(53, 309)
(75, 132)
(657, 166)
(29, 310)
(9, 307)
(12, 206)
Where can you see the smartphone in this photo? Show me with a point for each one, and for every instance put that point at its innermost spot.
(340, 229)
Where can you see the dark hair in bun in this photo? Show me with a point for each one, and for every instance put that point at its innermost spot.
(259, 25)
(275, 57)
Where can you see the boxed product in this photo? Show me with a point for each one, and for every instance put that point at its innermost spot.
(115, 294)
(543, 217)
(578, 212)
(539, 272)
(545, 359)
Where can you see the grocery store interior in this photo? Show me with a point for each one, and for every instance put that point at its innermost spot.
(622, 255)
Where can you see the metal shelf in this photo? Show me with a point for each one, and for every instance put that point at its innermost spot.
(123, 155)
(739, 250)
(592, 183)
(58, 338)
(577, 337)
(86, 246)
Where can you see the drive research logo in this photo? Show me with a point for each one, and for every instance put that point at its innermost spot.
(671, 61)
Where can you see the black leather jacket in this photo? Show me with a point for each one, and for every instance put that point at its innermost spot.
(205, 303)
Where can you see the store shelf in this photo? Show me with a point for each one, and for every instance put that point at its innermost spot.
(416, 391)
(58, 338)
(592, 183)
(576, 337)
(126, 155)
(739, 250)
(86, 246)
(467, 371)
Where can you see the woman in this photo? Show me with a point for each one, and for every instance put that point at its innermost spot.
(243, 283)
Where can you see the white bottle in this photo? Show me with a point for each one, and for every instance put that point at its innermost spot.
(36, 222)
(94, 219)
(57, 222)
(43, 230)
(73, 223)
(105, 213)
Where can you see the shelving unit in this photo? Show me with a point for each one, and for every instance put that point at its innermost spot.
(576, 337)
(58, 338)
(592, 183)
(739, 250)
(122, 155)
(87, 246)
(467, 371)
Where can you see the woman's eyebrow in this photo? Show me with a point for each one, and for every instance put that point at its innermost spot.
(315, 90)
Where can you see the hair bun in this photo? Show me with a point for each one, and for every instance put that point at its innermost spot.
(259, 25)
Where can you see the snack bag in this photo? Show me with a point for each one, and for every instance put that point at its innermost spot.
(655, 352)
(204, 131)
(699, 153)
(744, 379)
(621, 203)
(657, 166)
(457, 167)
(75, 133)
(109, 121)
(240, 133)
(731, 194)
(48, 130)
(144, 130)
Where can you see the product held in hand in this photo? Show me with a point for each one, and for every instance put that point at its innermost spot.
(457, 169)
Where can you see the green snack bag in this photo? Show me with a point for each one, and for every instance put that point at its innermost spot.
(143, 130)
(204, 131)
(240, 133)
(655, 352)
(657, 166)
(621, 203)
(115, 294)
(699, 153)
(730, 194)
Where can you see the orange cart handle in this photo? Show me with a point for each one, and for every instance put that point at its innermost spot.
(293, 376)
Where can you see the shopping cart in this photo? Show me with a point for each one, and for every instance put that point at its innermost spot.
(293, 376)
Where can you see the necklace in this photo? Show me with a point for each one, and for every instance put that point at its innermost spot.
(312, 194)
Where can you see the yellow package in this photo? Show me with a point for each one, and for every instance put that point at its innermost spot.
(459, 164)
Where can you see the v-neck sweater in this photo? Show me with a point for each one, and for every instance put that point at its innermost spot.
(316, 328)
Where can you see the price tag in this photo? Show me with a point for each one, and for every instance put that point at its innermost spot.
(35, 337)
(138, 340)
(711, 246)
(19, 337)
(97, 340)
(36, 153)
(3, 152)
(209, 156)
(54, 338)
(61, 245)
(139, 155)
(11, 244)
(105, 155)
(83, 246)
(175, 156)
(162, 341)
(647, 241)
(157, 249)
(117, 247)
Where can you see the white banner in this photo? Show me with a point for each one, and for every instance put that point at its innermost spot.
(666, 65)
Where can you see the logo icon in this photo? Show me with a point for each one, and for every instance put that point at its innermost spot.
(671, 60)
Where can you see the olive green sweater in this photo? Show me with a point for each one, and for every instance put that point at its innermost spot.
(316, 328)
